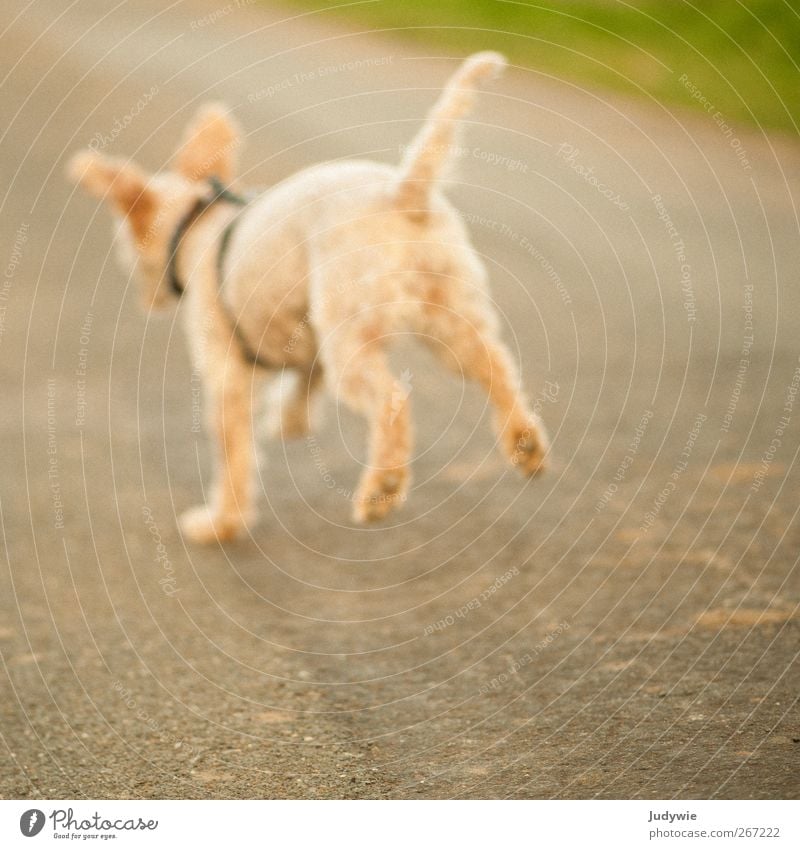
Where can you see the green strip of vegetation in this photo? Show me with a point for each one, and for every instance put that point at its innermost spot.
(740, 59)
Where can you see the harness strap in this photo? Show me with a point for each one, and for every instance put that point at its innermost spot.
(184, 224)
(219, 193)
(249, 354)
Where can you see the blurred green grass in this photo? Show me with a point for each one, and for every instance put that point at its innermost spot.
(741, 57)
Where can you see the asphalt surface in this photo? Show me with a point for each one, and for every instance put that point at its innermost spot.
(625, 626)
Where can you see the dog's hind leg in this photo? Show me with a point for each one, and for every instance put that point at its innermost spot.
(468, 344)
(228, 390)
(359, 374)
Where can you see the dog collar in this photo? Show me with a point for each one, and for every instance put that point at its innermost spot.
(218, 192)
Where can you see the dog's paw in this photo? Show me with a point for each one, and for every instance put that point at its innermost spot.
(202, 526)
(526, 447)
(379, 493)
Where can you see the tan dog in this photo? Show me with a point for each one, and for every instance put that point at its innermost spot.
(315, 276)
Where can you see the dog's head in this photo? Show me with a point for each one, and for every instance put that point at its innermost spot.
(149, 208)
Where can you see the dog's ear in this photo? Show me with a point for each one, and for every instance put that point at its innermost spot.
(209, 145)
(118, 181)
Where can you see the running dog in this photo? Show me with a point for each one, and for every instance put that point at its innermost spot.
(313, 278)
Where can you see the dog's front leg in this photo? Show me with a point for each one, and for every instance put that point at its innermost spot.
(228, 390)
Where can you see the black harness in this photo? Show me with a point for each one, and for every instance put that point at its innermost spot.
(218, 193)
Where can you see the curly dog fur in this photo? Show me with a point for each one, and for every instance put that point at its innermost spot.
(319, 272)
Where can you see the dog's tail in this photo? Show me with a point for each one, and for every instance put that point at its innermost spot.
(429, 153)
